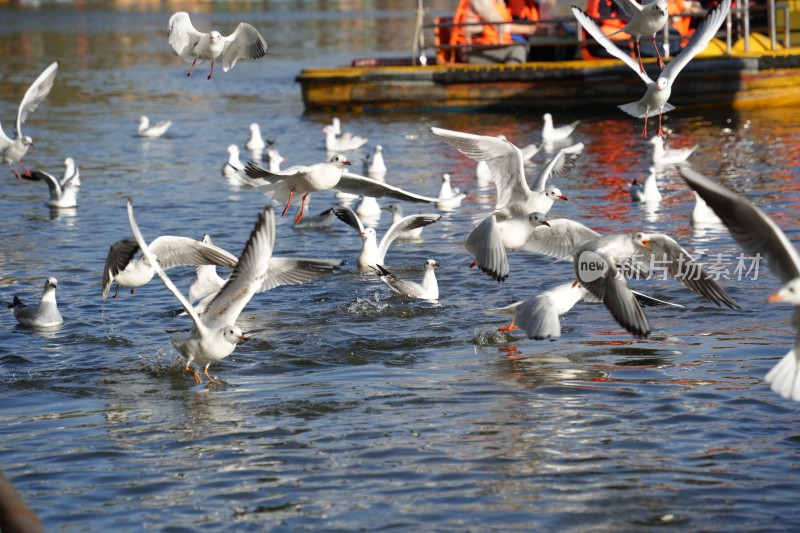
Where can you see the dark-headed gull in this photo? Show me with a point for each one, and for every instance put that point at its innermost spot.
(551, 134)
(256, 142)
(427, 289)
(514, 197)
(216, 335)
(372, 253)
(193, 46)
(645, 20)
(758, 234)
(152, 131)
(491, 239)
(126, 270)
(44, 315)
(658, 92)
(63, 192)
(326, 176)
(13, 150)
(664, 156)
(646, 192)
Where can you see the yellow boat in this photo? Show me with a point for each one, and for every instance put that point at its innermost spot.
(757, 70)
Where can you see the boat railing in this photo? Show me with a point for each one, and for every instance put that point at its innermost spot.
(738, 23)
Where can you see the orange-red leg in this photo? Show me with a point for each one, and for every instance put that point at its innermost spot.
(288, 202)
(197, 377)
(302, 209)
(639, 55)
(205, 371)
(644, 131)
(474, 263)
(211, 73)
(192, 67)
(510, 327)
(660, 132)
(658, 55)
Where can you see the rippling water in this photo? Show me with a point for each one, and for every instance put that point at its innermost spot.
(347, 408)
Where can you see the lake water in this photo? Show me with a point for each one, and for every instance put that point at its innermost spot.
(347, 408)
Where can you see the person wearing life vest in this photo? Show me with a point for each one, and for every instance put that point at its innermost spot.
(491, 34)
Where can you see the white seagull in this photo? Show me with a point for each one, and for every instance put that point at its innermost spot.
(63, 192)
(215, 336)
(664, 156)
(305, 180)
(514, 197)
(646, 192)
(552, 134)
(372, 253)
(193, 46)
(233, 169)
(484, 175)
(658, 92)
(375, 166)
(343, 143)
(449, 197)
(152, 131)
(703, 216)
(491, 239)
(256, 142)
(121, 266)
(756, 233)
(427, 289)
(648, 19)
(13, 150)
(45, 315)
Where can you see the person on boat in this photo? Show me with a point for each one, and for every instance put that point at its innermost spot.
(493, 33)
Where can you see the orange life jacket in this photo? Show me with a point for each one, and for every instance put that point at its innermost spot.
(523, 9)
(488, 33)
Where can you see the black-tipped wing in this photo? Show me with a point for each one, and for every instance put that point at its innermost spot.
(244, 43)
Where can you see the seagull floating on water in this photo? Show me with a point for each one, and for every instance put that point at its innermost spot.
(13, 150)
(756, 233)
(646, 192)
(343, 143)
(193, 46)
(375, 166)
(45, 315)
(152, 131)
(551, 134)
(449, 197)
(256, 142)
(63, 192)
(427, 289)
(326, 176)
(664, 156)
(658, 92)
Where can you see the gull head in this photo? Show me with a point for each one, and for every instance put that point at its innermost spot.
(547, 117)
(214, 35)
(51, 283)
(661, 6)
(233, 149)
(445, 177)
(233, 334)
(662, 84)
(27, 141)
(554, 193)
(643, 240)
(430, 264)
(368, 233)
(789, 293)
(339, 160)
(537, 218)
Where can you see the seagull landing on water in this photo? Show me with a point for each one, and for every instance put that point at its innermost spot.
(13, 150)
(152, 131)
(427, 289)
(644, 20)
(45, 315)
(193, 46)
(658, 92)
(63, 192)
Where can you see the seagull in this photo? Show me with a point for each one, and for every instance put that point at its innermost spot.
(233, 169)
(44, 315)
(121, 266)
(273, 157)
(282, 271)
(648, 19)
(154, 131)
(538, 316)
(663, 157)
(648, 191)
(215, 336)
(369, 208)
(757, 233)
(552, 134)
(255, 143)
(13, 150)
(397, 215)
(514, 197)
(63, 192)
(191, 45)
(372, 253)
(427, 289)
(703, 216)
(658, 92)
(325, 176)
(449, 197)
(343, 143)
(374, 166)
(489, 241)
(484, 175)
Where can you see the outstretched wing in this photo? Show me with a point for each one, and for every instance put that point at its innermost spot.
(183, 37)
(294, 271)
(363, 186)
(554, 166)
(119, 255)
(244, 43)
(593, 30)
(699, 41)
(52, 182)
(37, 92)
(404, 224)
(349, 217)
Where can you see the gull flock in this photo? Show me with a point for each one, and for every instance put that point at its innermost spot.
(521, 219)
